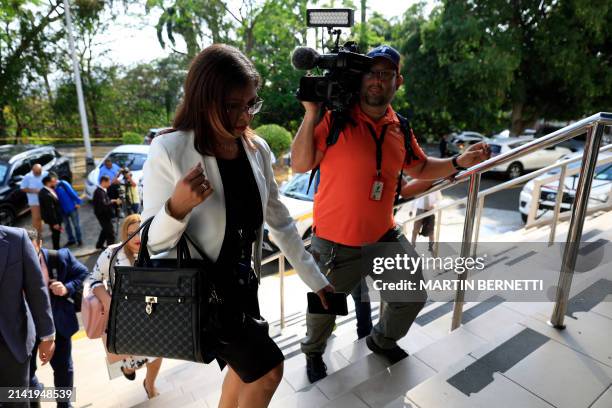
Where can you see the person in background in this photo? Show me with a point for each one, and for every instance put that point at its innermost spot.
(363, 309)
(25, 310)
(103, 209)
(131, 194)
(50, 208)
(32, 184)
(442, 146)
(99, 282)
(70, 203)
(426, 226)
(111, 170)
(64, 276)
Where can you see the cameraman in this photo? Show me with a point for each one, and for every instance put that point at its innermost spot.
(131, 193)
(349, 208)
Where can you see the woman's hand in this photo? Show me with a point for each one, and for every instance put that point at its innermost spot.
(189, 192)
(321, 293)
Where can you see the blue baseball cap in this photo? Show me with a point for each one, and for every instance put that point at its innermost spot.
(385, 51)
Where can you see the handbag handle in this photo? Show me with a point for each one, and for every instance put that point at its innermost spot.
(183, 254)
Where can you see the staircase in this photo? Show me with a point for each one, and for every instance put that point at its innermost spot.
(504, 355)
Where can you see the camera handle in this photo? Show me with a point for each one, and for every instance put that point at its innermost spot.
(331, 32)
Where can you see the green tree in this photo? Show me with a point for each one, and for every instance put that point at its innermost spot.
(32, 48)
(477, 64)
(279, 28)
(188, 18)
(26, 26)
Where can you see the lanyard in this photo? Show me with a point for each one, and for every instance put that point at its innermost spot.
(379, 142)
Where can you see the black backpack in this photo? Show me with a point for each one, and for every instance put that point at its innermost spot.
(53, 265)
(340, 120)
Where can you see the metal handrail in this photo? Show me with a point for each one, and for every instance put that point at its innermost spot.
(561, 135)
(594, 127)
(500, 187)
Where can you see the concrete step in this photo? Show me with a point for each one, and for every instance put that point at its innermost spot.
(527, 364)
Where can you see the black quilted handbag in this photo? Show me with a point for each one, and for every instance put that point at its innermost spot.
(158, 305)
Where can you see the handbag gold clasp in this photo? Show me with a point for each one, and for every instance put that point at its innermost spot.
(150, 300)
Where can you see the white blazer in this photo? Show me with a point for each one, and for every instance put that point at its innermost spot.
(170, 157)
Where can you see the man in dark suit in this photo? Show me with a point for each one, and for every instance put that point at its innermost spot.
(103, 209)
(66, 276)
(25, 310)
(50, 208)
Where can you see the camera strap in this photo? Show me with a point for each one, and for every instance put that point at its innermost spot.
(379, 143)
(338, 124)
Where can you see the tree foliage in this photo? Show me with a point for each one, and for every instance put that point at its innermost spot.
(480, 65)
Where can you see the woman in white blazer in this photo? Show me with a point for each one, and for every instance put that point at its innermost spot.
(211, 176)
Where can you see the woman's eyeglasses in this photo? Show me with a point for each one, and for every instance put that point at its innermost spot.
(236, 109)
(385, 75)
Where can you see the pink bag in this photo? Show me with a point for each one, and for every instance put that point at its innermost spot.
(94, 316)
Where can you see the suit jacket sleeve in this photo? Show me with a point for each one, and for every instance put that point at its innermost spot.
(101, 202)
(76, 272)
(96, 199)
(36, 294)
(284, 232)
(46, 207)
(165, 230)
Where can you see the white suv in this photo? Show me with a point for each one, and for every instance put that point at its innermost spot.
(600, 189)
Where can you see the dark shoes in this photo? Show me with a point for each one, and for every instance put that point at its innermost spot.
(315, 367)
(394, 354)
(69, 244)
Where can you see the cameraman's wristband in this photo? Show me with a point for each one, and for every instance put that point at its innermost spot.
(456, 164)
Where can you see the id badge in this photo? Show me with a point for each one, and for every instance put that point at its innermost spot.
(377, 189)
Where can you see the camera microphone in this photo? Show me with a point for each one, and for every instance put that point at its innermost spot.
(304, 58)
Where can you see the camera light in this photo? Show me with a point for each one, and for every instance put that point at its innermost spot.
(330, 17)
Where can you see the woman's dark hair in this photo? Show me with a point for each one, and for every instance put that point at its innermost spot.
(214, 73)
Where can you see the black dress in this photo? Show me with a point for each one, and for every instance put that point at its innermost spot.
(253, 353)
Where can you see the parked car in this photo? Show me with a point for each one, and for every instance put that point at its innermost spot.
(299, 202)
(15, 162)
(151, 135)
(459, 142)
(575, 144)
(533, 161)
(600, 189)
(130, 156)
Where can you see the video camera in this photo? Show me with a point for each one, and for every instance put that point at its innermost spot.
(344, 66)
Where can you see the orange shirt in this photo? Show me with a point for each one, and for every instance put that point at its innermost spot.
(343, 210)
